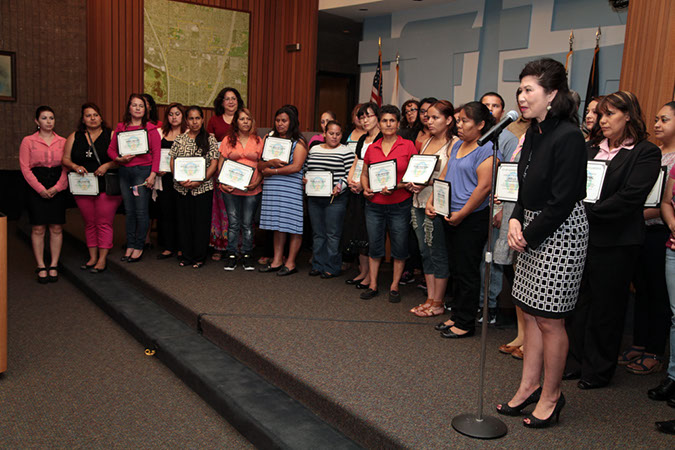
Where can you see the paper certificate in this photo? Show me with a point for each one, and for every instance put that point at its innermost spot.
(595, 176)
(277, 148)
(382, 175)
(420, 169)
(442, 197)
(165, 160)
(133, 142)
(236, 174)
(654, 197)
(352, 147)
(192, 168)
(319, 183)
(358, 169)
(506, 186)
(85, 184)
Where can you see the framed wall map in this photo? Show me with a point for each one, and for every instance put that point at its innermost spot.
(191, 52)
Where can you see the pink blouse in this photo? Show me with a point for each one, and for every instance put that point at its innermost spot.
(34, 152)
(249, 155)
(154, 141)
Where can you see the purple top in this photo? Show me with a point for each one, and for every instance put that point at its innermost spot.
(462, 175)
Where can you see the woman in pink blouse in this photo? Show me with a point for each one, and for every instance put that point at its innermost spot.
(243, 146)
(40, 161)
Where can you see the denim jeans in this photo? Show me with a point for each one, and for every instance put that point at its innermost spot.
(396, 219)
(240, 211)
(496, 275)
(431, 242)
(327, 223)
(136, 207)
(670, 281)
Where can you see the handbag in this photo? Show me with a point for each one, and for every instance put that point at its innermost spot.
(112, 180)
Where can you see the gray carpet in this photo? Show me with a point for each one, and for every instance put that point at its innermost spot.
(77, 380)
(379, 374)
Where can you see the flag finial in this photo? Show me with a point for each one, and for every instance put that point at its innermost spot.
(571, 40)
(597, 35)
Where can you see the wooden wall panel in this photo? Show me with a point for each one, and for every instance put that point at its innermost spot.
(276, 77)
(647, 68)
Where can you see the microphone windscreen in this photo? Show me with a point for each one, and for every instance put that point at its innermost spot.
(513, 115)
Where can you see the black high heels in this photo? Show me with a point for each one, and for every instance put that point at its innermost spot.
(506, 410)
(545, 423)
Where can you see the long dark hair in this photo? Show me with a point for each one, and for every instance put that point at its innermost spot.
(234, 129)
(404, 118)
(218, 102)
(551, 76)
(293, 124)
(166, 126)
(202, 139)
(418, 125)
(448, 111)
(81, 126)
(126, 119)
(478, 112)
(627, 103)
(153, 114)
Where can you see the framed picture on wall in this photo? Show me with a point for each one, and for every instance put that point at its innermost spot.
(7, 76)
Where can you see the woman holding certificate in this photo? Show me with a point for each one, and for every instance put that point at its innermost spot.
(281, 209)
(548, 228)
(469, 172)
(430, 231)
(136, 147)
(194, 160)
(241, 146)
(86, 153)
(40, 161)
(389, 203)
(617, 230)
(325, 180)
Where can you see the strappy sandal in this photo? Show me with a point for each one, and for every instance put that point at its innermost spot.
(642, 368)
(421, 307)
(431, 311)
(624, 360)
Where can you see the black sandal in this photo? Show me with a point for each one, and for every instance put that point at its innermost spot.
(54, 278)
(42, 280)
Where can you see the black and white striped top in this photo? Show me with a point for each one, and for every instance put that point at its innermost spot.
(336, 160)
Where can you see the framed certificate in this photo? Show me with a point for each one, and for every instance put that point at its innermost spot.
(420, 169)
(192, 168)
(236, 174)
(85, 184)
(165, 160)
(382, 175)
(277, 148)
(358, 169)
(506, 185)
(595, 176)
(442, 197)
(133, 142)
(319, 183)
(655, 195)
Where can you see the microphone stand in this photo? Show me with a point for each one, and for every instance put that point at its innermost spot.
(477, 425)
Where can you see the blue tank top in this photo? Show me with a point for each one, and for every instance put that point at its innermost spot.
(462, 175)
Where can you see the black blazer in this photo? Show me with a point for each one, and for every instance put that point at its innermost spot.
(617, 218)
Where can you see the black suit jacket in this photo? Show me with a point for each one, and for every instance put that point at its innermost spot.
(617, 217)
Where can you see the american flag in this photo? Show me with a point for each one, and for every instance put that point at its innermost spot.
(376, 93)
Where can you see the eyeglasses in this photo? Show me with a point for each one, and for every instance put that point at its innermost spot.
(411, 110)
(367, 116)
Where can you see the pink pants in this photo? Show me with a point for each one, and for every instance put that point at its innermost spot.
(98, 213)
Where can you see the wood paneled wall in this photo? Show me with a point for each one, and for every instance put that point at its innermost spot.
(50, 42)
(276, 77)
(648, 66)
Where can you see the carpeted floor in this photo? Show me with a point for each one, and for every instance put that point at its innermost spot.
(379, 374)
(77, 380)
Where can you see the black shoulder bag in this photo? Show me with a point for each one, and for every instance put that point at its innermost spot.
(112, 180)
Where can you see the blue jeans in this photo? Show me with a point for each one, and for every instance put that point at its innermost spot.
(496, 275)
(670, 281)
(396, 219)
(136, 208)
(240, 211)
(431, 241)
(327, 223)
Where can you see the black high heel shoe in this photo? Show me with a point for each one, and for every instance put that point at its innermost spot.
(506, 410)
(545, 423)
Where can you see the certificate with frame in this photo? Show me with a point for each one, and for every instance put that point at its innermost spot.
(382, 175)
(654, 197)
(442, 193)
(83, 184)
(595, 177)
(420, 169)
(319, 183)
(236, 174)
(277, 148)
(192, 168)
(358, 169)
(133, 142)
(506, 185)
(165, 160)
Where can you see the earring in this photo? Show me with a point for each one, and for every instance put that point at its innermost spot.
(38, 127)
(548, 107)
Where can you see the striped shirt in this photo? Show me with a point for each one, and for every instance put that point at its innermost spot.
(336, 160)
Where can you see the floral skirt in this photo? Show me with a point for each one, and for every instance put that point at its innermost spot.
(218, 239)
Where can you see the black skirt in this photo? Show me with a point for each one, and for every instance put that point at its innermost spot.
(43, 211)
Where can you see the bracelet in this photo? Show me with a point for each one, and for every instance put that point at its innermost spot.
(276, 171)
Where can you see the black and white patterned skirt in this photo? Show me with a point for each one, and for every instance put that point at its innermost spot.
(548, 279)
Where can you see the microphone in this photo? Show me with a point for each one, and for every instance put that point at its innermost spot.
(511, 116)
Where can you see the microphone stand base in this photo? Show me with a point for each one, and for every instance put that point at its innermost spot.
(487, 428)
